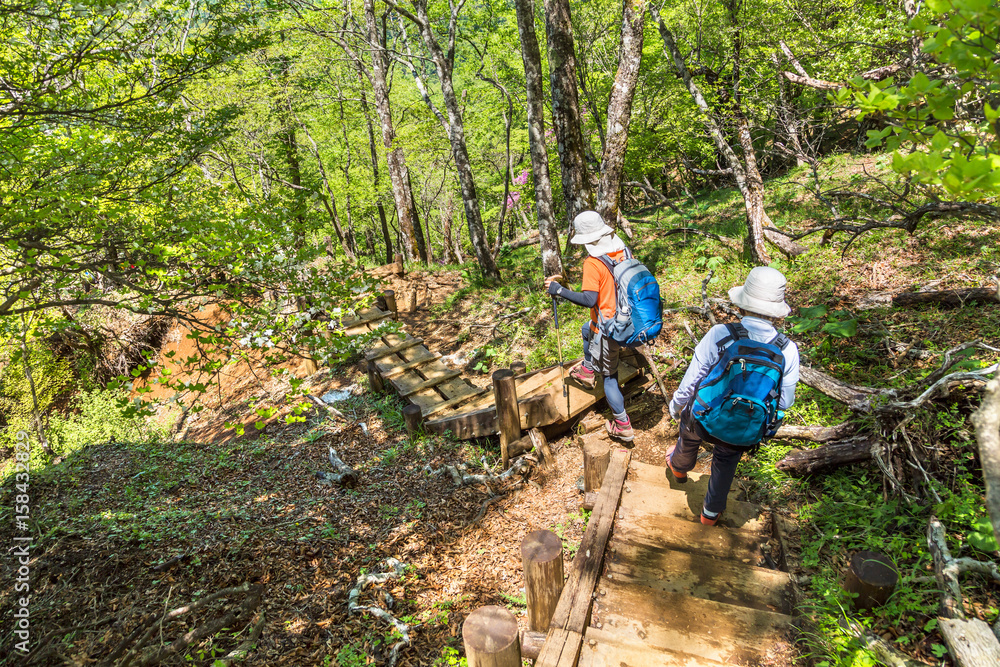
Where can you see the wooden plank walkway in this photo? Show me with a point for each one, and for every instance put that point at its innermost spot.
(659, 588)
(451, 404)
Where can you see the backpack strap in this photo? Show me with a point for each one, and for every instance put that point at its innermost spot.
(610, 263)
(781, 340)
(736, 332)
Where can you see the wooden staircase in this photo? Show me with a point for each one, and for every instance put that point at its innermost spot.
(672, 592)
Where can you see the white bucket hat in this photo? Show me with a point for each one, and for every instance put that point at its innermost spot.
(762, 293)
(589, 226)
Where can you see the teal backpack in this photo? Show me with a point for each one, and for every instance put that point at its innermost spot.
(737, 402)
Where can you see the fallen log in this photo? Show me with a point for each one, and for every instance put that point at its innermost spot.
(521, 243)
(851, 395)
(802, 462)
(783, 242)
(531, 644)
(816, 433)
(948, 297)
(987, 422)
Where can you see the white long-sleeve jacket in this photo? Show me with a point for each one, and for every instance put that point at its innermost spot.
(706, 353)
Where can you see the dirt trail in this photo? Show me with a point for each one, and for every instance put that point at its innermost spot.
(161, 525)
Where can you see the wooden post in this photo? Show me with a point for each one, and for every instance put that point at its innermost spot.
(491, 638)
(374, 378)
(398, 266)
(508, 416)
(413, 419)
(596, 456)
(413, 299)
(873, 577)
(541, 556)
(518, 367)
(390, 303)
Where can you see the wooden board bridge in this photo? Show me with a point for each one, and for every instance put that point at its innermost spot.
(451, 404)
(650, 585)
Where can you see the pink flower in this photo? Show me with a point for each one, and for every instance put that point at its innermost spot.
(512, 199)
(521, 178)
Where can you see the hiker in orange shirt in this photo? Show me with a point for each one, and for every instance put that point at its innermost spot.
(600, 353)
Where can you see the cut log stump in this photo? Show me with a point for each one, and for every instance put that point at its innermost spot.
(541, 556)
(413, 419)
(596, 457)
(491, 638)
(873, 577)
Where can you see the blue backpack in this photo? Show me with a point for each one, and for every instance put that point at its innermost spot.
(737, 401)
(638, 310)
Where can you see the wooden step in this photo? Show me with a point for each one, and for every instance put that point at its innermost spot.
(380, 352)
(604, 649)
(697, 482)
(649, 501)
(394, 371)
(672, 571)
(715, 542)
(431, 381)
(722, 632)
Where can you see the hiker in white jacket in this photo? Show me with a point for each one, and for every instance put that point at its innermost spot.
(761, 300)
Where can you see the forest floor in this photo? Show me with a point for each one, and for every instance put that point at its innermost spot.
(134, 530)
(127, 531)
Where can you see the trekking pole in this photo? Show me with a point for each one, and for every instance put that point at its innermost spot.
(562, 369)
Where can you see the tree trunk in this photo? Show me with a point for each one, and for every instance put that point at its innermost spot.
(532, 58)
(375, 171)
(566, 108)
(351, 242)
(389, 254)
(752, 188)
(449, 247)
(418, 231)
(620, 109)
(395, 159)
(753, 196)
(290, 151)
(463, 165)
(330, 202)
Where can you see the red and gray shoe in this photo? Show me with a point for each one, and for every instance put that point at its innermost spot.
(586, 377)
(679, 477)
(620, 430)
(709, 520)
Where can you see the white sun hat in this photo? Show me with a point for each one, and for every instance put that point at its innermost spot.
(589, 227)
(762, 293)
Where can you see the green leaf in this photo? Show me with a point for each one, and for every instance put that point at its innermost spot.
(841, 328)
(981, 537)
(813, 312)
(802, 325)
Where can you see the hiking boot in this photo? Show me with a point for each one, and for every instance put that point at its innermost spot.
(708, 520)
(620, 430)
(679, 477)
(584, 376)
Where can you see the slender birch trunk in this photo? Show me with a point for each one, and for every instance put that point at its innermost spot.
(753, 201)
(532, 58)
(577, 192)
(620, 109)
(395, 158)
(443, 62)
